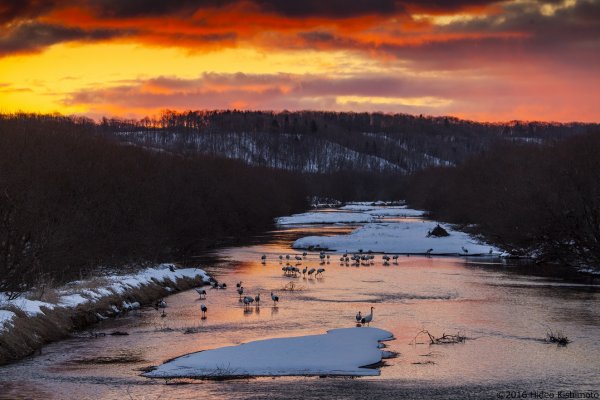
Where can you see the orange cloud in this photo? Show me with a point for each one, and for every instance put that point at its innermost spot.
(474, 58)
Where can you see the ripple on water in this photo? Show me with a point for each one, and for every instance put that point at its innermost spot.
(506, 310)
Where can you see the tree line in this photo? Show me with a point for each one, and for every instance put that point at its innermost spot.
(72, 201)
(541, 200)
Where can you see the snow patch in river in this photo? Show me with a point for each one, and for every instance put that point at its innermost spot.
(345, 351)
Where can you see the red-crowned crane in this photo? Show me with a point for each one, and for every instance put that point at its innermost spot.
(247, 301)
(160, 304)
(368, 318)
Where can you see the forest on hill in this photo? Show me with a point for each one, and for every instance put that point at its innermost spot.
(326, 142)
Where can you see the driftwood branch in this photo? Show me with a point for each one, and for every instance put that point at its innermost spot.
(444, 339)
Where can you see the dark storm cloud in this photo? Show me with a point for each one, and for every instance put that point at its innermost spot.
(579, 20)
(306, 8)
(569, 33)
(512, 28)
(146, 8)
(289, 8)
(33, 36)
(330, 8)
(23, 9)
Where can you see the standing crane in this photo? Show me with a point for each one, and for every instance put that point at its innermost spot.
(368, 318)
(275, 299)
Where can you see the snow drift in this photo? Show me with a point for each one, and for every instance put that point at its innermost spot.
(345, 351)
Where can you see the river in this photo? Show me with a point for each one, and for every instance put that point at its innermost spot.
(504, 309)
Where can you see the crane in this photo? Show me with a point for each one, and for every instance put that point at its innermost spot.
(247, 301)
(358, 317)
(368, 318)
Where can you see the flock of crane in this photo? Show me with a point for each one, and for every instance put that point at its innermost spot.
(246, 300)
(355, 259)
(290, 271)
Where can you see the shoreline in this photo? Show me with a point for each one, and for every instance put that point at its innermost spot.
(27, 325)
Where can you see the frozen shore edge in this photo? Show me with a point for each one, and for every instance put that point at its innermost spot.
(27, 325)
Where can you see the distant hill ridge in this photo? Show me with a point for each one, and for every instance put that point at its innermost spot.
(323, 142)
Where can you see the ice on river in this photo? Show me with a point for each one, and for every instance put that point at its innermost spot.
(326, 218)
(361, 214)
(343, 351)
(400, 237)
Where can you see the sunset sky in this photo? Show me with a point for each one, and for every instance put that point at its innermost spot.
(475, 59)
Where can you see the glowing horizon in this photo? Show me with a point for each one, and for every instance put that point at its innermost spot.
(473, 59)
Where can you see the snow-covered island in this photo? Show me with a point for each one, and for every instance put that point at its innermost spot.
(340, 352)
(408, 235)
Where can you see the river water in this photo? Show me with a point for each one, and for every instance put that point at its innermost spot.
(504, 310)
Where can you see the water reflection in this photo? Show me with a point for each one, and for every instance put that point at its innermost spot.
(504, 309)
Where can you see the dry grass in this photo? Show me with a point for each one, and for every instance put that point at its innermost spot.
(559, 338)
(30, 333)
(91, 284)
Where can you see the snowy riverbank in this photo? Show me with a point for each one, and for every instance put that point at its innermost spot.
(346, 352)
(27, 322)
